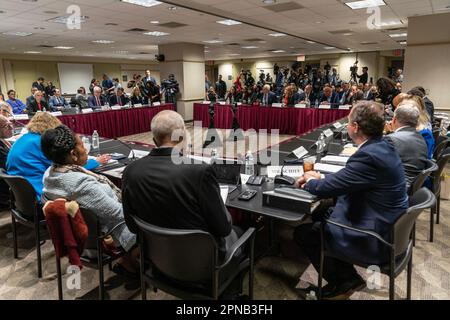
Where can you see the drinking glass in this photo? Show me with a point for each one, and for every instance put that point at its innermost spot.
(308, 164)
(344, 136)
(87, 144)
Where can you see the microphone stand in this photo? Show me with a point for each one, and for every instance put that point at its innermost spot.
(133, 155)
(212, 135)
(236, 134)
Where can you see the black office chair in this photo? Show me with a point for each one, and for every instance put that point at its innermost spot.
(400, 245)
(436, 133)
(94, 242)
(436, 178)
(185, 263)
(441, 144)
(25, 210)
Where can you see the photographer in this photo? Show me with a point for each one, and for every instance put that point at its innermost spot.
(170, 88)
(364, 78)
(354, 72)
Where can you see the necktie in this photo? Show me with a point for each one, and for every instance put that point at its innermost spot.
(98, 101)
(119, 100)
(39, 106)
(58, 102)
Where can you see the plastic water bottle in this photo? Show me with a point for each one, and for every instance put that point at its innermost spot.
(95, 140)
(311, 296)
(321, 144)
(249, 164)
(317, 103)
(213, 156)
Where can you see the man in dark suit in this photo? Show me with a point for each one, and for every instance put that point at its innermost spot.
(368, 94)
(267, 97)
(330, 97)
(371, 195)
(39, 84)
(6, 131)
(409, 144)
(344, 94)
(148, 78)
(364, 78)
(96, 101)
(119, 99)
(57, 102)
(221, 88)
(308, 97)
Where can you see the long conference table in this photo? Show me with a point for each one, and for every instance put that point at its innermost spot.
(290, 120)
(112, 123)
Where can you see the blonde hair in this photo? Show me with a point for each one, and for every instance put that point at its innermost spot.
(43, 121)
(424, 119)
(5, 109)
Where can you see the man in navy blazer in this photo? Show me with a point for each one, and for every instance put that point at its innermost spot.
(267, 97)
(371, 195)
(57, 102)
(119, 99)
(96, 101)
(330, 97)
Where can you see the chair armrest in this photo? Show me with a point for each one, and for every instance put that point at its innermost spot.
(249, 234)
(113, 229)
(366, 232)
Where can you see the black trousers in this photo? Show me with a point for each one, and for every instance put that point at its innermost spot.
(307, 236)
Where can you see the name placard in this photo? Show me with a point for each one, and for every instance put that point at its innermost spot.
(277, 105)
(338, 125)
(291, 171)
(87, 110)
(116, 107)
(300, 152)
(206, 102)
(156, 104)
(328, 133)
(325, 106)
(222, 103)
(301, 105)
(138, 105)
(345, 107)
(21, 117)
(56, 113)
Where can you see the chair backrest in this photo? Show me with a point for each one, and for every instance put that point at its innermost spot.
(23, 195)
(183, 255)
(441, 162)
(419, 201)
(420, 179)
(441, 144)
(90, 218)
(436, 133)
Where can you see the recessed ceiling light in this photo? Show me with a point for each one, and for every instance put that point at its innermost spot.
(234, 54)
(277, 51)
(398, 35)
(121, 52)
(404, 43)
(269, 1)
(329, 48)
(229, 22)
(144, 3)
(212, 41)
(156, 33)
(154, 22)
(32, 52)
(103, 41)
(172, 8)
(17, 33)
(365, 4)
(63, 48)
(250, 47)
(388, 23)
(311, 42)
(207, 51)
(347, 34)
(277, 34)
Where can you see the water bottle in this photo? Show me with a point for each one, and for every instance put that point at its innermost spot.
(317, 103)
(95, 140)
(311, 296)
(321, 144)
(249, 164)
(213, 156)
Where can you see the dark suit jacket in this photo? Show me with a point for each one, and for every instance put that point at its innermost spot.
(184, 196)
(429, 105)
(33, 107)
(412, 149)
(371, 195)
(312, 97)
(92, 102)
(334, 101)
(272, 97)
(114, 100)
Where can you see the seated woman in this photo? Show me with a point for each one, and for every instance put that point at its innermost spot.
(68, 179)
(26, 158)
(6, 131)
(136, 96)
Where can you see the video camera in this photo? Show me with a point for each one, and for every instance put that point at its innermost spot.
(354, 68)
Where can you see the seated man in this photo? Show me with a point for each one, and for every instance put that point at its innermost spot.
(57, 102)
(17, 106)
(307, 97)
(31, 98)
(409, 144)
(166, 190)
(267, 97)
(119, 99)
(371, 195)
(80, 100)
(329, 97)
(96, 101)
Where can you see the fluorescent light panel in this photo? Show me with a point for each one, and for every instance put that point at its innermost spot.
(63, 19)
(277, 35)
(398, 35)
(103, 41)
(355, 5)
(17, 33)
(63, 48)
(213, 41)
(277, 51)
(229, 22)
(143, 3)
(250, 47)
(156, 33)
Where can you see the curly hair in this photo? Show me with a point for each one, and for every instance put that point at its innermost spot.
(56, 144)
(41, 122)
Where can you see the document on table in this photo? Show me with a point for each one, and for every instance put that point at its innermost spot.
(327, 168)
(138, 154)
(338, 160)
(116, 173)
(224, 193)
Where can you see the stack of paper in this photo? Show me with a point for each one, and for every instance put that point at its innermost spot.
(338, 160)
(327, 168)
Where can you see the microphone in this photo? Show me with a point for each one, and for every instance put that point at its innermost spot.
(128, 147)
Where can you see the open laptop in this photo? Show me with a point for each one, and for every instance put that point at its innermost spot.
(228, 175)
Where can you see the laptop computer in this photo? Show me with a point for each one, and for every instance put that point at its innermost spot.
(228, 175)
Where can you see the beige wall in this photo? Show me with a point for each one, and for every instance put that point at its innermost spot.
(427, 60)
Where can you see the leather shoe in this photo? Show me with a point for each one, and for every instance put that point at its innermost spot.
(345, 290)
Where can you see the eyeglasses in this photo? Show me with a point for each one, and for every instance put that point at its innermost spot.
(7, 125)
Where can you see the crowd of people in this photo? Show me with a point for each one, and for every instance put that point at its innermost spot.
(46, 97)
(312, 87)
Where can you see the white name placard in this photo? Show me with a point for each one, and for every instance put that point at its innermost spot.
(222, 103)
(338, 125)
(300, 152)
(116, 107)
(138, 105)
(325, 106)
(156, 104)
(328, 133)
(291, 171)
(206, 102)
(56, 113)
(301, 105)
(277, 105)
(345, 107)
(87, 110)
(21, 117)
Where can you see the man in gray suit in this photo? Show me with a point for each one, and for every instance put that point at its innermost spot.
(409, 144)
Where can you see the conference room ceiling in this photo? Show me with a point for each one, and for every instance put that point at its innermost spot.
(330, 24)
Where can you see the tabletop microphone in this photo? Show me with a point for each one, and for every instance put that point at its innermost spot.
(133, 155)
